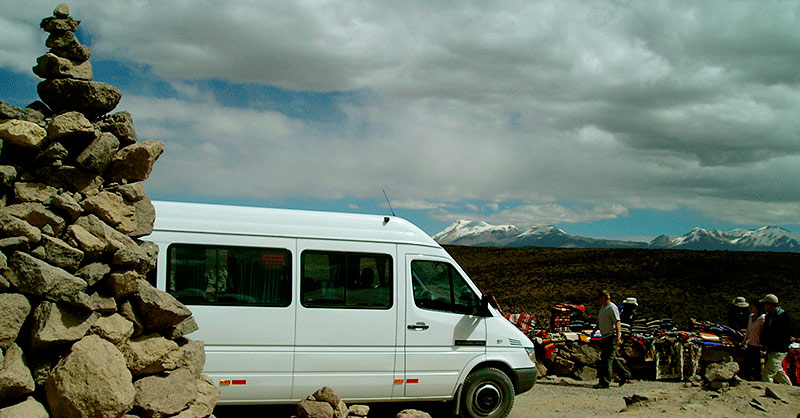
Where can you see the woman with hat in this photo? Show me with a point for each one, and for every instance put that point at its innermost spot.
(739, 314)
(628, 314)
(752, 342)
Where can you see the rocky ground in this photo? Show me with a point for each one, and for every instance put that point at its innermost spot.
(563, 397)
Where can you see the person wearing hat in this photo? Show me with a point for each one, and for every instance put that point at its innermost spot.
(628, 314)
(775, 338)
(739, 314)
(751, 367)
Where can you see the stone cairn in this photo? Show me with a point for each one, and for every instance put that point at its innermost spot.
(82, 332)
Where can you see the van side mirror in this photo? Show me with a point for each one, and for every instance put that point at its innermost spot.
(486, 301)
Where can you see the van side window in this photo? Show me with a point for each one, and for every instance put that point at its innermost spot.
(438, 287)
(218, 275)
(334, 279)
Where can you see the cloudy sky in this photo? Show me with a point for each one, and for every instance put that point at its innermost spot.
(607, 118)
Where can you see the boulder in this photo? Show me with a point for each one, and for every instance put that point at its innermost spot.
(61, 254)
(156, 308)
(151, 354)
(69, 126)
(341, 410)
(161, 396)
(61, 40)
(122, 284)
(314, 409)
(14, 309)
(359, 410)
(207, 397)
(14, 244)
(99, 153)
(91, 245)
(68, 205)
(22, 133)
(561, 366)
(72, 178)
(51, 65)
(59, 24)
(34, 192)
(36, 277)
(15, 227)
(586, 354)
(53, 155)
(91, 381)
(326, 394)
(193, 357)
(412, 413)
(61, 11)
(7, 174)
(121, 125)
(91, 98)
(93, 273)
(29, 408)
(114, 329)
(113, 240)
(76, 52)
(132, 192)
(145, 217)
(127, 310)
(22, 113)
(56, 323)
(186, 327)
(111, 208)
(37, 215)
(135, 162)
(15, 376)
(721, 372)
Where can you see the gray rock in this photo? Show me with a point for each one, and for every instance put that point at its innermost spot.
(145, 217)
(359, 410)
(14, 309)
(102, 302)
(15, 377)
(127, 310)
(92, 381)
(51, 65)
(99, 153)
(91, 98)
(34, 192)
(72, 178)
(203, 405)
(341, 410)
(135, 162)
(14, 244)
(114, 329)
(158, 309)
(150, 251)
(186, 327)
(70, 125)
(151, 354)
(7, 174)
(22, 133)
(129, 257)
(15, 227)
(93, 273)
(112, 239)
(59, 24)
(121, 125)
(111, 208)
(412, 413)
(55, 324)
(132, 192)
(53, 155)
(192, 357)
(23, 113)
(36, 277)
(77, 52)
(326, 394)
(37, 215)
(29, 408)
(62, 10)
(68, 205)
(122, 284)
(770, 393)
(721, 372)
(61, 254)
(61, 40)
(314, 409)
(586, 354)
(161, 396)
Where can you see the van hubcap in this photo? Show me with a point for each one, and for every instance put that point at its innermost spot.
(487, 398)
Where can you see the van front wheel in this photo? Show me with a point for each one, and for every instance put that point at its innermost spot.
(487, 393)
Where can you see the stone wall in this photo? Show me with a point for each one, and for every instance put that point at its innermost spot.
(82, 331)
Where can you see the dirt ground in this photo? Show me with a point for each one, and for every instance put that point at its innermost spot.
(563, 397)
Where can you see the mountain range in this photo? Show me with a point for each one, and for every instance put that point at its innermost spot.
(482, 234)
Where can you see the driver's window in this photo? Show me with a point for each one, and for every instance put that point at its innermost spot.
(439, 287)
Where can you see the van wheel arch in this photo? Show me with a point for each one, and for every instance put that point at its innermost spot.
(488, 392)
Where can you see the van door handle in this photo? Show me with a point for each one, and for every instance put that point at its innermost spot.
(419, 326)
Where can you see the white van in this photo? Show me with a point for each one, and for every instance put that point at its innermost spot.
(289, 301)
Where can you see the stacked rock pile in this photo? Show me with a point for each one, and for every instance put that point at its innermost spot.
(325, 403)
(82, 331)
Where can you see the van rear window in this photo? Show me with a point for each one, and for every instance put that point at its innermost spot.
(222, 275)
(334, 279)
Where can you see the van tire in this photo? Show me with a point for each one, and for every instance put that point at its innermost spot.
(487, 393)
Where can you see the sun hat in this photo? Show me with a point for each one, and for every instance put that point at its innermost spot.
(741, 302)
(630, 301)
(770, 298)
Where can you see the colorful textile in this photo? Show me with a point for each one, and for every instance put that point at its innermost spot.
(523, 321)
(791, 365)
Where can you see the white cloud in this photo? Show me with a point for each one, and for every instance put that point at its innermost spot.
(545, 214)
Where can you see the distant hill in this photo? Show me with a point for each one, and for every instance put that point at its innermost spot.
(482, 234)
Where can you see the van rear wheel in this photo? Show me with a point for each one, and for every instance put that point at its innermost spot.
(487, 393)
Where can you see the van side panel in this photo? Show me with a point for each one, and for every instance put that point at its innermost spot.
(251, 345)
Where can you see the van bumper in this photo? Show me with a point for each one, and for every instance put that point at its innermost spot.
(525, 379)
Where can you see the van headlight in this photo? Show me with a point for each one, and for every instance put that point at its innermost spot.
(531, 354)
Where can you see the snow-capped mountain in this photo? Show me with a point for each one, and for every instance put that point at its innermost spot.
(479, 233)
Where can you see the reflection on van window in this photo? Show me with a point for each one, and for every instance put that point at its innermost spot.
(438, 287)
(216, 275)
(346, 280)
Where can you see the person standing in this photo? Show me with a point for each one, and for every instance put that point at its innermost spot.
(738, 314)
(775, 338)
(608, 322)
(752, 342)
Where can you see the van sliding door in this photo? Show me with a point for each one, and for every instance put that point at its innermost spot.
(346, 319)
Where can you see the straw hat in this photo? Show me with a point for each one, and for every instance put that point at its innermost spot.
(770, 298)
(630, 301)
(741, 302)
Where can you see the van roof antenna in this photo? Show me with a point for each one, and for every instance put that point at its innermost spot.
(387, 201)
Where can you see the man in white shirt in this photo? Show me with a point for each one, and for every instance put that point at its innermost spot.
(609, 325)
